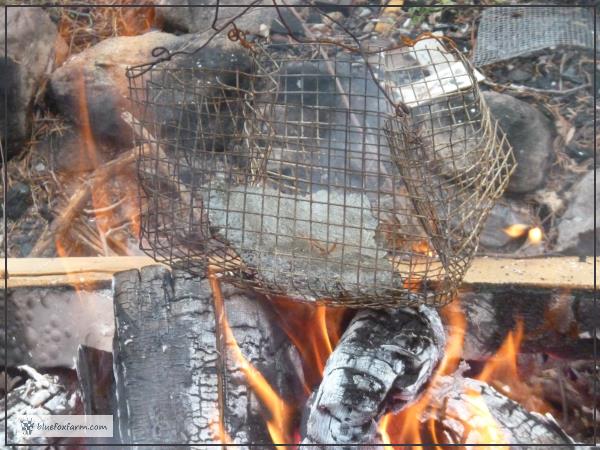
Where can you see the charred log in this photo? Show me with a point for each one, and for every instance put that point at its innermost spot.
(459, 406)
(384, 358)
(175, 383)
(557, 323)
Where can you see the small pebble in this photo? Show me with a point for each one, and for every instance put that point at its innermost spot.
(364, 12)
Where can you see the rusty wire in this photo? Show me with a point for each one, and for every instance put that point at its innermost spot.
(292, 168)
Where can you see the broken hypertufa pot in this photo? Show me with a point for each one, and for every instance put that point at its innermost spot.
(317, 170)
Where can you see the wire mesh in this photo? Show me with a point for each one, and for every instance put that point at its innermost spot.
(299, 175)
(509, 32)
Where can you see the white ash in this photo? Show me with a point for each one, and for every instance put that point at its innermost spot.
(319, 242)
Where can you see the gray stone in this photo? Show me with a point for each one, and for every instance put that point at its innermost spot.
(32, 42)
(197, 16)
(274, 235)
(95, 82)
(18, 199)
(531, 135)
(502, 216)
(576, 228)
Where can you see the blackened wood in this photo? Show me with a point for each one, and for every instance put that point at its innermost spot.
(555, 322)
(96, 381)
(97, 387)
(164, 358)
(167, 365)
(382, 361)
(458, 405)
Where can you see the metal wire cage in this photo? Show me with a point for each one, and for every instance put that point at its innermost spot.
(309, 171)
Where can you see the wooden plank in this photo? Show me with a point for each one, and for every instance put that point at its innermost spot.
(554, 272)
(562, 272)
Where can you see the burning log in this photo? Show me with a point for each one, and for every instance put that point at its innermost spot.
(464, 411)
(383, 356)
(176, 381)
(558, 323)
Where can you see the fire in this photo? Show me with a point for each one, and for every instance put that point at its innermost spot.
(483, 423)
(418, 424)
(279, 423)
(103, 228)
(535, 235)
(502, 373)
(516, 230)
(405, 427)
(314, 331)
(519, 230)
(422, 248)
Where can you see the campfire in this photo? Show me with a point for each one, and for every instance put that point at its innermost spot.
(240, 229)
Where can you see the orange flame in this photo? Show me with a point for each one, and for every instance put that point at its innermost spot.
(417, 424)
(519, 230)
(314, 331)
(114, 212)
(281, 414)
(484, 424)
(516, 230)
(502, 373)
(405, 427)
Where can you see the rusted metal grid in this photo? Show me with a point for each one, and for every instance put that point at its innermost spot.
(320, 172)
(509, 32)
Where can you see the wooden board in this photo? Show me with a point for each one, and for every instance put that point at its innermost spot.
(555, 272)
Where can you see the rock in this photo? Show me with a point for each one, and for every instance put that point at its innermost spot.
(363, 12)
(18, 199)
(327, 6)
(296, 26)
(519, 75)
(198, 15)
(531, 135)
(576, 227)
(94, 81)
(502, 216)
(32, 40)
(66, 155)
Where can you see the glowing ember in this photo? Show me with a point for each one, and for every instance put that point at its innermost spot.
(423, 248)
(535, 235)
(483, 426)
(517, 230)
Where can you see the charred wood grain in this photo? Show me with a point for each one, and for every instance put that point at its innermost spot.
(171, 379)
(163, 330)
(560, 323)
(383, 360)
(97, 387)
(456, 407)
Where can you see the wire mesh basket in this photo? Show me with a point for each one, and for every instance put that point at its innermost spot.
(319, 171)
